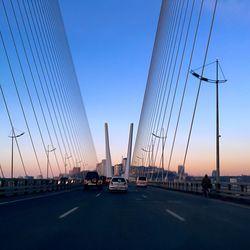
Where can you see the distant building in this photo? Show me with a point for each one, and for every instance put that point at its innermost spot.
(75, 172)
(244, 178)
(29, 177)
(63, 175)
(118, 169)
(214, 173)
(124, 160)
(181, 172)
(100, 167)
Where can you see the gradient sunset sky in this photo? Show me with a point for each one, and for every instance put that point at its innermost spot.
(111, 43)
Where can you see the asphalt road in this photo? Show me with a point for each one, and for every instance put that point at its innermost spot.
(144, 218)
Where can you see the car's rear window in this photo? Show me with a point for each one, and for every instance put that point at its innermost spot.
(92, 175)
(117, 179)
(142, 179)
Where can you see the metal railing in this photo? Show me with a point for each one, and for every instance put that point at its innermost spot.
(225, 188)
(17, 186)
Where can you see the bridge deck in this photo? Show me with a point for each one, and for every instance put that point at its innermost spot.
(149, 218)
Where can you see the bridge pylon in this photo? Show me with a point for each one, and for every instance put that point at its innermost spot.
(108, 163)
(128, 162)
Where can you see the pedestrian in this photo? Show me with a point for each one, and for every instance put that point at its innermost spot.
(206, 185)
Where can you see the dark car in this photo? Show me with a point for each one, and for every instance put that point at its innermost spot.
(92, 179)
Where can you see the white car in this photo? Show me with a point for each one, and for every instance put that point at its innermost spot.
(118, 183)
(141, 181)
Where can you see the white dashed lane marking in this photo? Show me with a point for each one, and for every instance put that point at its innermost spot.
(68, 212)
(175, 215)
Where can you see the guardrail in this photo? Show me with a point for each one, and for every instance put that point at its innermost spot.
(224, 188)
(17, 186)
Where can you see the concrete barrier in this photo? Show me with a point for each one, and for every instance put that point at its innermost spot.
(18, 186)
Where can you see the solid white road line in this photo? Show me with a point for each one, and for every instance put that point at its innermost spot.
(98, 195)
(67, 213)
(175, 215)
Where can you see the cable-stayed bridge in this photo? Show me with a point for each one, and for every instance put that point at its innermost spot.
(40, 93)
(182, 40)
(180, 128)
(45, 133)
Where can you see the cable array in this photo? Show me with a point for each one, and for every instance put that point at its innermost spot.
(40, 93)
(182, 41)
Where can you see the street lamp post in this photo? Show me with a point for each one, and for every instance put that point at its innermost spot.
(149, 160)
(142, 160)
(79, 162)
(217, 82)
(162, 151)
(65, 162)
(48, 151)
(13, 136)
(84, 165)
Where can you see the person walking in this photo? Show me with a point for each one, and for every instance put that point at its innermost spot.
(206, 185)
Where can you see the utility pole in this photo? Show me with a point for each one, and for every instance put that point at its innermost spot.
(217, 81)
(149, 160)
(152, 152)
(79, 163)
(162, 137)
(48, 151)
(217, 126)
(65, 162)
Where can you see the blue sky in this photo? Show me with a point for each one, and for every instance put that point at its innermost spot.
(111, 42)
